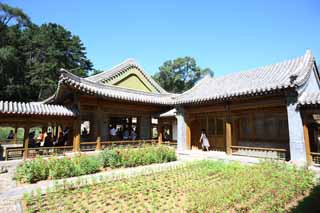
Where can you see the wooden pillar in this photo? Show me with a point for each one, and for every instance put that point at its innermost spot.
(188, 134)
(76, 125)
(307, 143)
(98, 118)
(98, 147)
(228, 131)
(59, 130)
(15, 135)
(56, 130)
(76, 135)
(26, 142)
(228, 137)
(160, 132)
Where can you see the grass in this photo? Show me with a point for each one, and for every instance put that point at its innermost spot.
(202, 186)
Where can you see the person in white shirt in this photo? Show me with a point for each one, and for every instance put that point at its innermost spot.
(113, 133)
(204, 140)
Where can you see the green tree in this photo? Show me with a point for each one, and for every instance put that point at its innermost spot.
(15, 15)
(12, 63)
(180, 74)
(31, 56)
(52, 47)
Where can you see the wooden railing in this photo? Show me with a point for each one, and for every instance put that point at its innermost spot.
(91, 146)
(133, 143)
(88, 146)
(260, 152)
(11, 141)
(172, 143)
(315, 158)
(17, 153)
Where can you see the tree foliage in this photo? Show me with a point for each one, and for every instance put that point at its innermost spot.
(180, 74)
(31, 56)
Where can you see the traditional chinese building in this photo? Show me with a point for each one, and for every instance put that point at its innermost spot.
(271, 111)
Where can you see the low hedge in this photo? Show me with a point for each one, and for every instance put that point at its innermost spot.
(55, 168)
(121, 157)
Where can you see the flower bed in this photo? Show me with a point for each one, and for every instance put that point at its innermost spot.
(56, 168)
(194, 187)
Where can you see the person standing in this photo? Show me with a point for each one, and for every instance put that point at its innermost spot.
(204, 140)
(113, 133)
(133, 134)
(10, 135)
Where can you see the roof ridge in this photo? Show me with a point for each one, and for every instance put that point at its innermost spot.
(121, 68)
(261, 67)
(197, 84)
(116, 67)
(309, 59)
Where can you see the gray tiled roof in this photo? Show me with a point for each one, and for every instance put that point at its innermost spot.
(33, 108)
(120, 69)
(113, 92)
(309, 98)
(291, 73)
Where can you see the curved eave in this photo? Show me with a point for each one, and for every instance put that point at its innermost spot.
(231, 96)
(110, 92)
(9, 108)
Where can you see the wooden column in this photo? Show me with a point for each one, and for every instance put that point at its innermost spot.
(188, 134)
(26, 142)
(59, 130)
(98, 118)
(307, 143)
(228, 131)
(98, 147)
(76, 125)
(160, 132)
(76, 135)
(228, 137)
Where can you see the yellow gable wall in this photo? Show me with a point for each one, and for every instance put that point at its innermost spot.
(133, 79)
(133, 82)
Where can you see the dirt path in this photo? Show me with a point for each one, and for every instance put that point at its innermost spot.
(6, 184)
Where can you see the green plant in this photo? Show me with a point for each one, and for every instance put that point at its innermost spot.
(32, 171)
(111, 158)
(130, 157)
(86, 164)
(61, 168)
(56, 168)
(201, 186)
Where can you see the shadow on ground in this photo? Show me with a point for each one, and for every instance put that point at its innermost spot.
(310, 203)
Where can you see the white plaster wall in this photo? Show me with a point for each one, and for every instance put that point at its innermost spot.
(296, 137)
(181, 130)
(174, 130)
(295, 123)
(312, 84)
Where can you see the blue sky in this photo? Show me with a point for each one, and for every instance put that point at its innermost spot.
(225, 36)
